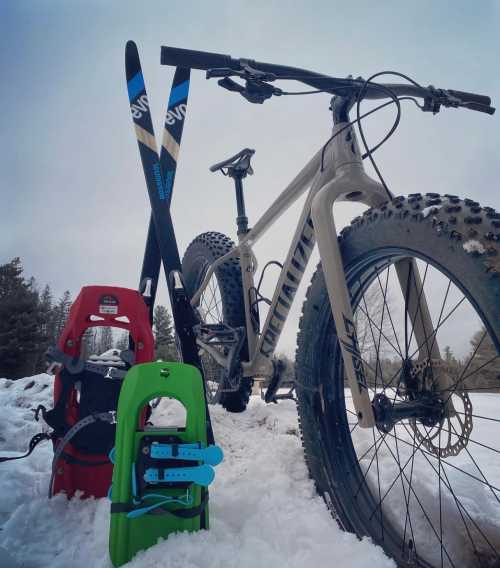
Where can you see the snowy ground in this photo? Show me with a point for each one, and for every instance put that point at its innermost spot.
(263, 508)
(466, 503)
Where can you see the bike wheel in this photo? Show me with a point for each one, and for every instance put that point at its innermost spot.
(426, 489)
(221, 302)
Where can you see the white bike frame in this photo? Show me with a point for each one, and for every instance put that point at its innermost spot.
(335, 175)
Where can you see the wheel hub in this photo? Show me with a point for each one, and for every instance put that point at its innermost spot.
(428, 410)
(431, 411)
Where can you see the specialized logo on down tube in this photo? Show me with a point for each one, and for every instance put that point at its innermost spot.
(352, 347)
(288, 289)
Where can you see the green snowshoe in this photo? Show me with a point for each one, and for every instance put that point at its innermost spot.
(161, 475)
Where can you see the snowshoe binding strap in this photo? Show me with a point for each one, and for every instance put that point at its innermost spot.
(109, 417)
(32, 445)
(201, 475)
(212, 455)
(135, 511)
(155, 468)
(75, 365)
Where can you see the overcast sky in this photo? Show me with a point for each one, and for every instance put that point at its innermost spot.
(73, 199)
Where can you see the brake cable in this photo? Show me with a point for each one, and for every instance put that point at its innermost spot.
(257, 90)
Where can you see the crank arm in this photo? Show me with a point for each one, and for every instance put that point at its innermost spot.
(215, 353)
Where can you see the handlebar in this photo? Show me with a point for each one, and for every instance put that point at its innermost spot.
(343, 87)
(196, 59)
(471, 97)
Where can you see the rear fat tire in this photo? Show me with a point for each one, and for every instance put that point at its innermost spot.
(404, 223)
(204, 250)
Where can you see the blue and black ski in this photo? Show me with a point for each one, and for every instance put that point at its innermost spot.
(172, 134)
(162, 245)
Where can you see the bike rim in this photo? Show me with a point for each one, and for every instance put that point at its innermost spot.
(211, 311)
(423, 505)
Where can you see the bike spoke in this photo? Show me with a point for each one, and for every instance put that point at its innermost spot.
(492, 360)
(459, 380)
(372, 322)
(457, 305)
(389, 311)
(407, 499)
(477, 467)
(418, 301)
(462, 509)
(466, 473)
(426, 515)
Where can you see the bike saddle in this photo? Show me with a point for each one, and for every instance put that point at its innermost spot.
(238, 164)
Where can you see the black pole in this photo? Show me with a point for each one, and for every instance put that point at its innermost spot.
(242, 219)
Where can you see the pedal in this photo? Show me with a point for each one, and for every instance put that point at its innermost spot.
(216, 333)
(286, 396)
(277, 381)
(211, 336)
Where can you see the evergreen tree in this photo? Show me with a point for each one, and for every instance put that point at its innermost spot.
(20, 322)
(46, 327)
(450, 358)
(60, 314)
(47, 309)
(122, 341)
(105, 340)
(164, 335)
(89, 343)
(483, 363)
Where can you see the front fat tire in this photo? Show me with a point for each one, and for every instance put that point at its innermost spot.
(203, 251)
(458, 235)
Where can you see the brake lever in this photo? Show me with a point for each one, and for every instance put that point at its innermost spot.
(254, 91)
(230, 85)
(246, 72)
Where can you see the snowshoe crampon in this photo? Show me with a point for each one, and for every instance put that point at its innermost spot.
(161, 474)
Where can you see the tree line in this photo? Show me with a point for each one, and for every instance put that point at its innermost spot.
(31, 320)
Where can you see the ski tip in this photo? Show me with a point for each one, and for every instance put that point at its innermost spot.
(131, 45)
(132, 62)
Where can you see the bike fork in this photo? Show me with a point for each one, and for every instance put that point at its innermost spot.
(348, 181)
(351, 183)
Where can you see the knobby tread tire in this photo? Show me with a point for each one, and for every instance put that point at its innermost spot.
(203, 250)
(460, 235)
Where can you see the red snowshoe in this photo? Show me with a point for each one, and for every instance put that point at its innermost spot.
(86, 393)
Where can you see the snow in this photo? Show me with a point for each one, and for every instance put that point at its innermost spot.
(109, 357)
(431, 209)
(474, 246)
(481, 503)
(263, 507)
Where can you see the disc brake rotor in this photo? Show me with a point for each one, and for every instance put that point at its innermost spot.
(451, 435)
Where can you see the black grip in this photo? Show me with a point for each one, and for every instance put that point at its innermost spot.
(470, 97)
(195, 59)
(479, 107)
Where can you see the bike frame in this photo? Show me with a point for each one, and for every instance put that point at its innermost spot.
(335, 175)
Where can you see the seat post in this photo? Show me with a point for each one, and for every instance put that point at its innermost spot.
(241, 219)
(238, 167)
